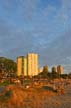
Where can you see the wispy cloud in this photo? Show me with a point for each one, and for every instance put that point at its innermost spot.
(36, 25)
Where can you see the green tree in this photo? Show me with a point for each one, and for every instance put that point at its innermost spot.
(7, 65)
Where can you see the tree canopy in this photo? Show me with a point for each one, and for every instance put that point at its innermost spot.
(7, 65)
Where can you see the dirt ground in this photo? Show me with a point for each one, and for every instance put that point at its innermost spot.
(18, 97)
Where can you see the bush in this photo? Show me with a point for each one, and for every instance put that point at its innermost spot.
(6, 95)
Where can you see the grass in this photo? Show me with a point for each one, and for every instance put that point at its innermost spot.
(5, 83)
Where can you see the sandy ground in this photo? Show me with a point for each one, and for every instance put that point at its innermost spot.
(38, 98)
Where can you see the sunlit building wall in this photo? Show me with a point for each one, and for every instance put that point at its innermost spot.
(22, 66)
(27, 66)
(25, 73)
(40, 69)
(60, 69)
(36, 64)
(19, 66)
(32, 62)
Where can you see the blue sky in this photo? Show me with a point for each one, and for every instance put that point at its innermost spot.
(42, 26)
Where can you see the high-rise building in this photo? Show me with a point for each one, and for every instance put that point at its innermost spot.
(45, 69)
(54, 69)
(19, 66)
(60, 69)
(27, 66)
(22, 66)
(32, 62)
(25, 73)
(40, 69)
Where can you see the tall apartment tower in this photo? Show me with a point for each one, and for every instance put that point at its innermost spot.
(60, 69)
(45, 69)
(54, 69)
(22, 66)
(27, 66)
(32, 64)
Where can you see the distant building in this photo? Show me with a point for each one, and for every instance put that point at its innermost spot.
(40, 69)
(45, 68)
(21, 66)
(60, 69)
(25, 73)
(32, 62)
(28, 66)
(54, 69)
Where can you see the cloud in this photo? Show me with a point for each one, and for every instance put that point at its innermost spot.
(63, 14)
(59, 50)
(35, 26)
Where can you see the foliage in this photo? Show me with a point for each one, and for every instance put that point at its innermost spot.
(7, 65)
(6, 95)
(65, 76)
(5, 83)
(55, 75)
(43, 75)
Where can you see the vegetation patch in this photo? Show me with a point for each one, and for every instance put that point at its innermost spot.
(5, 83)
(49, 88)
(5, 96)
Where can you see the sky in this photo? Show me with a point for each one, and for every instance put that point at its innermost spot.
(41, 26)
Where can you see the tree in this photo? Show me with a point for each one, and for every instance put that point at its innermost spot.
(65, 76)
(7, 65)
